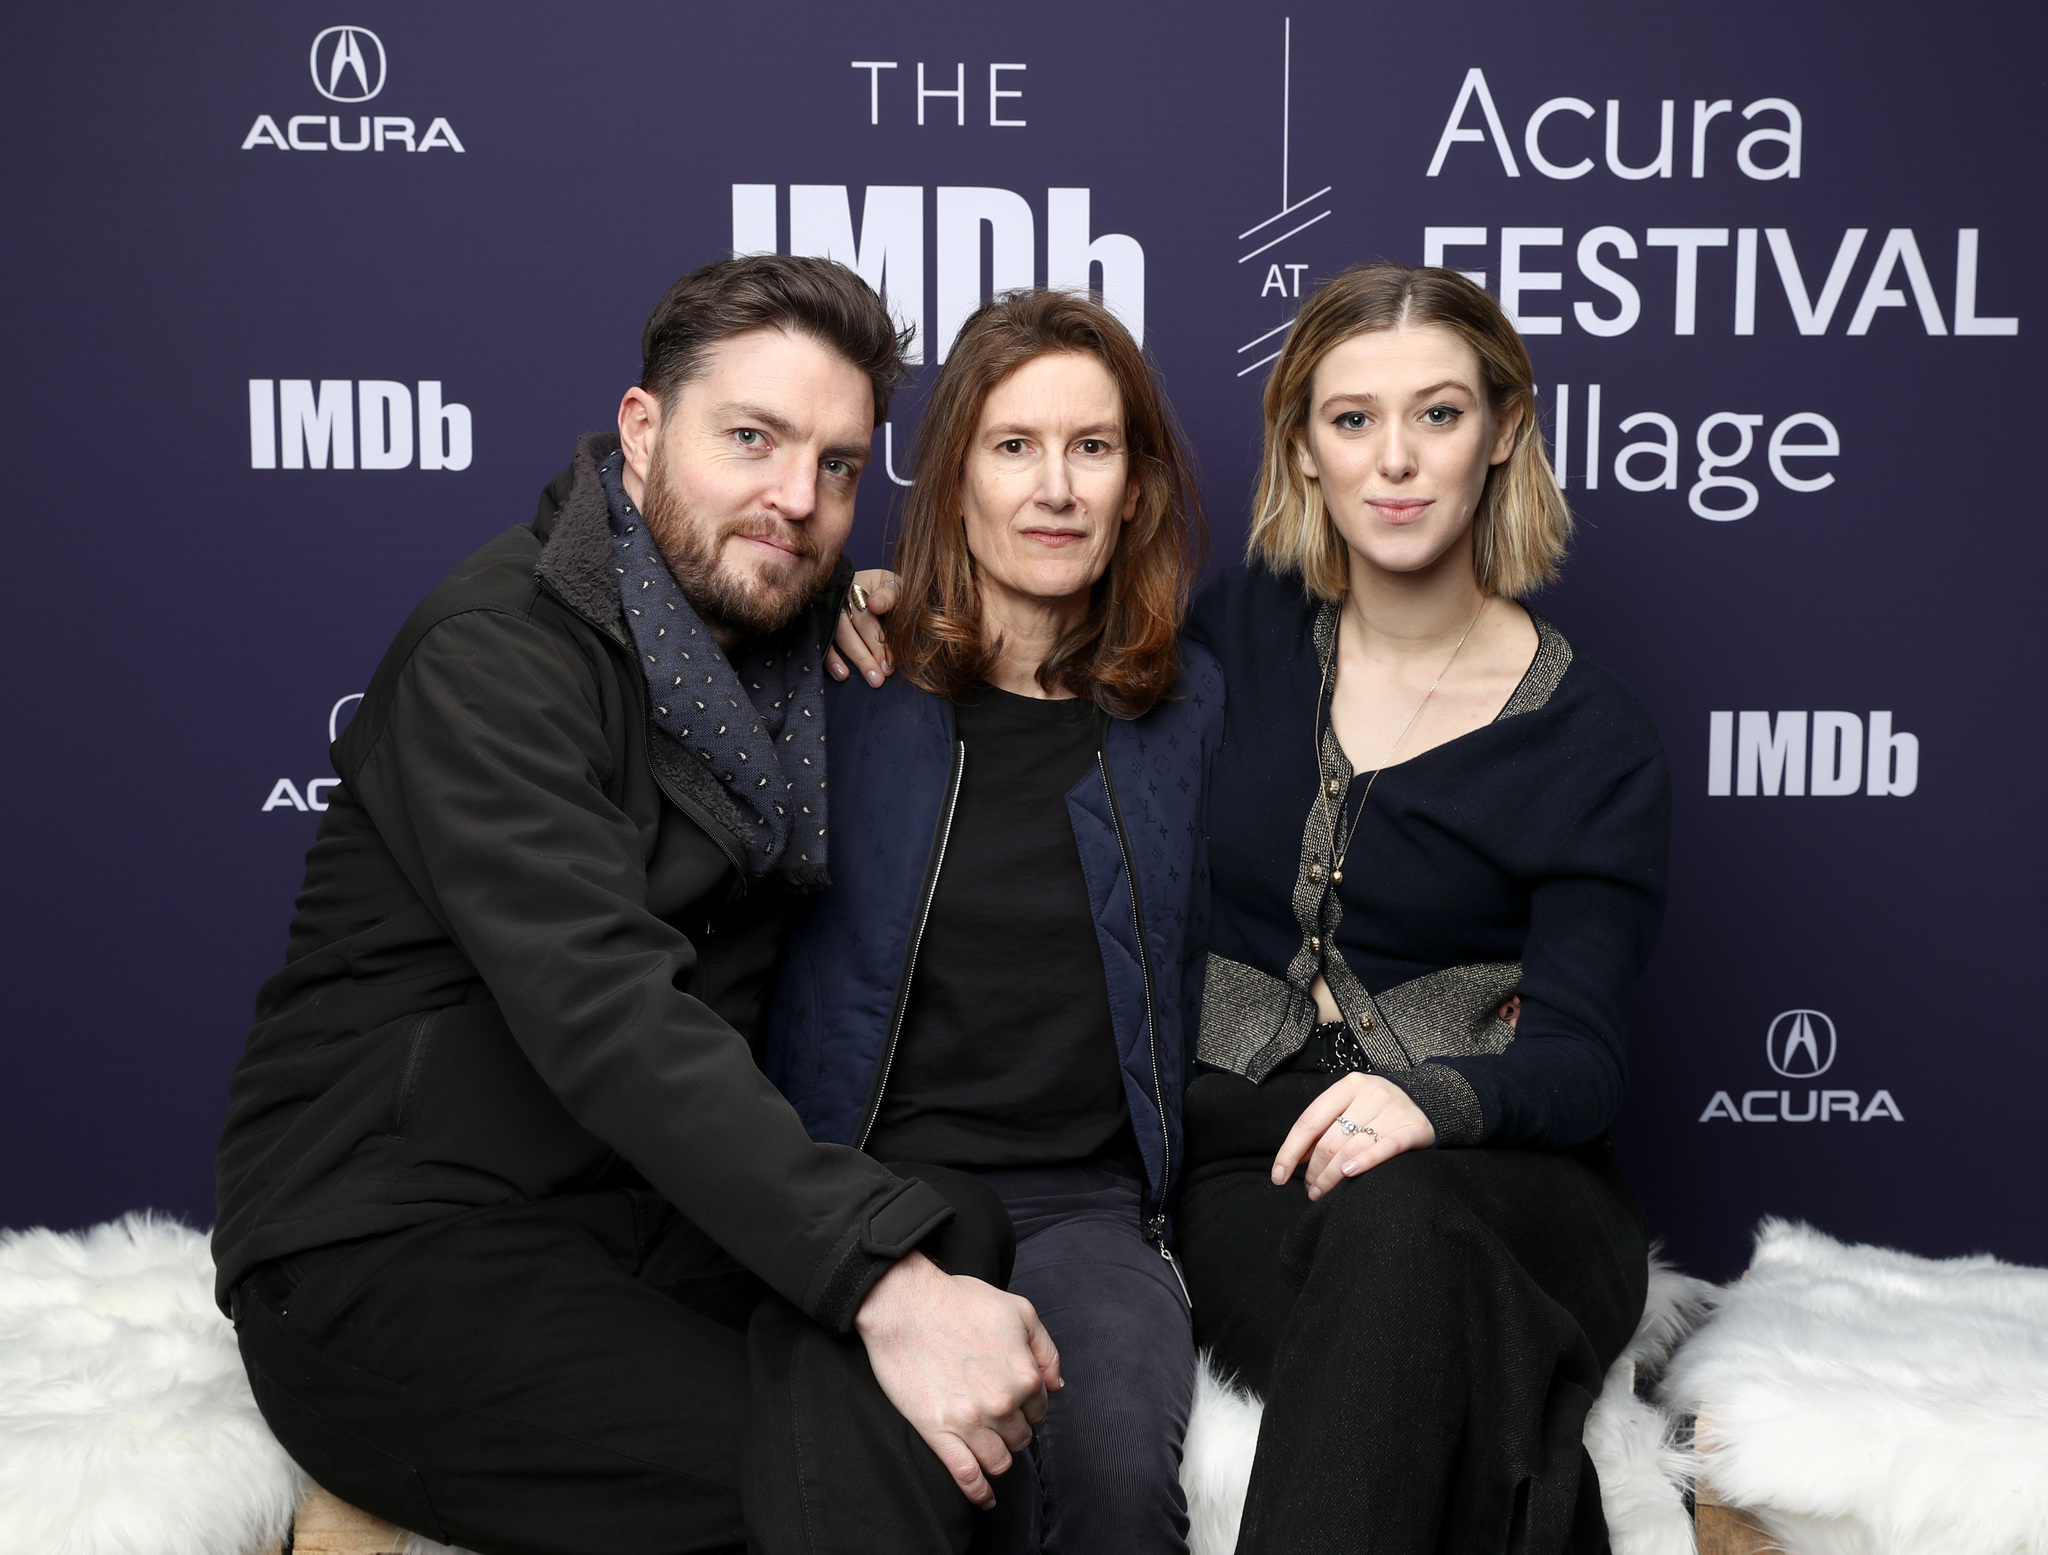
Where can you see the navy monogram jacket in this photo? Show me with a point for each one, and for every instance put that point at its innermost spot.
(829, 1033)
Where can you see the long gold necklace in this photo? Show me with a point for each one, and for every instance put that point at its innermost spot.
(1329, 788)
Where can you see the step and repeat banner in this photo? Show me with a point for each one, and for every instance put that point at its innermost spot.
(305, 301)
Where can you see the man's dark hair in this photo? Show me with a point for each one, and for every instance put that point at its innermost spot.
(820, 298)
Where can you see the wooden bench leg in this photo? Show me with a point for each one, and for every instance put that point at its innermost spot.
(1720, 1529)
(328, 1525)
(1726, 1530)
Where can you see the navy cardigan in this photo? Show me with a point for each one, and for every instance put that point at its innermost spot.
(1526, 858)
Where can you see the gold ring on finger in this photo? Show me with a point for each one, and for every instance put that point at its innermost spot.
(856, 600)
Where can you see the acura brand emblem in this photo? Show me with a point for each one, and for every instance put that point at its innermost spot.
(1801, 1044)
(334, 716)
(348, 64)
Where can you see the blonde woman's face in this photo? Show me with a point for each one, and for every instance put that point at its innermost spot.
(1400, 436)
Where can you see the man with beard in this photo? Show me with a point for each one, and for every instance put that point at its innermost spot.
(523, 1251)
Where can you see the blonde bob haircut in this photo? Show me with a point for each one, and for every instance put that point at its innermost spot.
(1522, 526)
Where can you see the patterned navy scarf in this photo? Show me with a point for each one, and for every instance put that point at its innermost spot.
(757, 721)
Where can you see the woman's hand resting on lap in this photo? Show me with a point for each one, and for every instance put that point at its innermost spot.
(860, 640)
(1395, 1123)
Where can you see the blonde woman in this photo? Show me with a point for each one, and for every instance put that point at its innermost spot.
(1438, 838)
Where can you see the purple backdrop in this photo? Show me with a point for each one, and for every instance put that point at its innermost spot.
(1825, 246)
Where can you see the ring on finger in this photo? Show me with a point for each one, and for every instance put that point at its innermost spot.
(1347, 1127)
(856, 600)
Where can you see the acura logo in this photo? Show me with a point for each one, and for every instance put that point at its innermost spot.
(348, 64)
(1801, 1044)
(334, 716)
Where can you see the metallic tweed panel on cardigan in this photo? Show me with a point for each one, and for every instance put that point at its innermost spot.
(1453, 1013)
(1379, 1037)
(1447, 1099)
(1317, 911)
(1247, 1016)
(1539, 680)
(1244, 1013)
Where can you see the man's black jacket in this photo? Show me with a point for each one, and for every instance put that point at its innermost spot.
(525, 954)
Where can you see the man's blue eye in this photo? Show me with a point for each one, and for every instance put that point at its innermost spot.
(747, 436)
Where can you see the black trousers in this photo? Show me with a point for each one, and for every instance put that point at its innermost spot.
(1428, 1337)
(592, 1373)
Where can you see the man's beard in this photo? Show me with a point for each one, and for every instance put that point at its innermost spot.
(724, 598)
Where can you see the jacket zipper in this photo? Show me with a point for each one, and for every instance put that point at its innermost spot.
(409, 1077)
(1155, 1229)
(924, 912)
(705, 824)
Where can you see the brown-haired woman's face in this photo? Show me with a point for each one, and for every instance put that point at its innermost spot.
(1047, 483)
(1400, 435)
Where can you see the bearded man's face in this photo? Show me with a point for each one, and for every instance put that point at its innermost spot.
(750, 488)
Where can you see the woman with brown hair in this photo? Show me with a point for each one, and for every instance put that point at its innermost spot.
(1004, 970)
(1438, 857)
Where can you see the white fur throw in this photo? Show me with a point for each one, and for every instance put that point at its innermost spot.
(1860, 1402)
(126, 1423)
(127, 1426)
(1864, 1402)
(1216, 1460)
(1643, 1473)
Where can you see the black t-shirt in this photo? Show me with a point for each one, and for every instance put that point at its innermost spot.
(1007, 1056)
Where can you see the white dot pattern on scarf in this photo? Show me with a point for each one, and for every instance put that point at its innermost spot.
(741, 751)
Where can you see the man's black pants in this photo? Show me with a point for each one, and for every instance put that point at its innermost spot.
(592, 1373)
